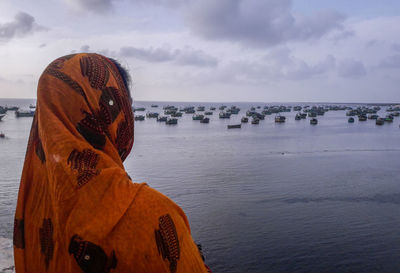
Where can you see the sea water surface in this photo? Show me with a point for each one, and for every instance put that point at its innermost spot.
(271, 197)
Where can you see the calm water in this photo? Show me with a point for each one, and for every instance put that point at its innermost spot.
(265, 198)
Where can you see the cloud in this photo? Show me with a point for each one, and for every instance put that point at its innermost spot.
(351, 69)
(258, 22)
(251, 22)
(185, 56)
(279, 65)
(391, 62)
(104, 6)
(99, 6)
(396, 47)
(154, 55)
(22, 25)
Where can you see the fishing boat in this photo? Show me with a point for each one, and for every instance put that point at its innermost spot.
(389, 118)
(162, 118)
(24, 113)
(154, 105)
(297, 117)
(171, 121)
(208, 113)
(212, 108)
(2, 116)
(233, 110)
(258, 115)
(379, 121)
(235, 126)
(255, 121)
(313, 121)
(198, 117)
(170, 111)
(152, 114)
(280, 119)
(205, 120)
(312, 114)
(244, 119)
(141, 109)
(362, 118)
(224, 115)
(351, 120)
(297, 108)
(200, 108)
(12, 108)
(266, 112)
(373, 116)
(176, 114)
(139, 117)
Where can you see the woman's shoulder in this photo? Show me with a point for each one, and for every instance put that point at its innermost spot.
(152, 202)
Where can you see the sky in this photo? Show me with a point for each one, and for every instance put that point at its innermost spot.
(213, 50)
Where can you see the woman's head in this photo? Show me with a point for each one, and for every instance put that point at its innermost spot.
(87, 99)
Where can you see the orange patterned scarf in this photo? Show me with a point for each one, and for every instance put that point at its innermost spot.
(78, 210)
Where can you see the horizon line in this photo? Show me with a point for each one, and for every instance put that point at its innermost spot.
(255, 102)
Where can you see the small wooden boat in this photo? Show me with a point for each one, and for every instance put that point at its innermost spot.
(198, 117)
(171, 121)
(205, 120)
(208, 113)
(313, 121)
(139, 117)
(255, 121)
(244, 119)
(312, 114)
(379, 121)
(2, 135)
(224, 115)
(373, 116)
(24, 113)
(12, 108)
(362, 118)
(235, 126)
(176, 114)
(154, 105)
(351, 120)
(2, 116)
(280, 119)
(162, 119)
(152, 115)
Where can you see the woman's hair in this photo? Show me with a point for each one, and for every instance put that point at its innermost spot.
(124, 74)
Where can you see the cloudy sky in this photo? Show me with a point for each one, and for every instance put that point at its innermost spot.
(213, 50)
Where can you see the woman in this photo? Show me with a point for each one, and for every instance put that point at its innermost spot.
(78, 210)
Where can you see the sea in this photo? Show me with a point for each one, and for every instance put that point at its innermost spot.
(288, 197)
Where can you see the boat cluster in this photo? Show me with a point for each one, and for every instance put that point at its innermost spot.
(170, 114)
(257, 113)
(364, 113)
(19, 112)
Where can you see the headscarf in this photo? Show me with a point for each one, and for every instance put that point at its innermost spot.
(77, 209)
